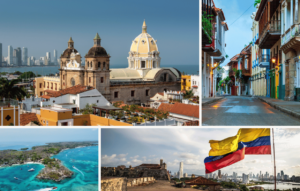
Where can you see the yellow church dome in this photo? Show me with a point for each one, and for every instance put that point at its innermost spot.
(143, 43)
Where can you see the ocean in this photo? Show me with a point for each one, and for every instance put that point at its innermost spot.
(46, 70)
(84, 160)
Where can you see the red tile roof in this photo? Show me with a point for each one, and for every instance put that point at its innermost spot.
(246, 50)
(72, 90)
(185, 109)
(27, 118)
(165, 107)
(46, 96)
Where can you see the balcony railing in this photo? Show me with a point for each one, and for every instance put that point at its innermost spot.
(264, 58)
(275, 26)
(289, 34)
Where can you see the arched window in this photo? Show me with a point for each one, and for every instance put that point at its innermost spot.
(72, 82)
(88, 64)
(99, 64)
(104, 65)
(91, 64)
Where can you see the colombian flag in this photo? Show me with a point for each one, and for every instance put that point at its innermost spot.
(231, 150)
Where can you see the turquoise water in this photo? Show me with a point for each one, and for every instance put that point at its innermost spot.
(85, 177)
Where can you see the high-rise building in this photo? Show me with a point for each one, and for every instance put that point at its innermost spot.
(24, 55)
(219, 174)
(55, 57)
(10, 55)
(180, 170)
(278, 176)
(185, 175)
(48, 55)
(234, 176)
(28, 61)
(1, 59)
(245, 178)
(19, 56)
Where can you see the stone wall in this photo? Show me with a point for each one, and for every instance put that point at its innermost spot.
(121, 184)
(158, 174)
(124, 91)
(113, 183)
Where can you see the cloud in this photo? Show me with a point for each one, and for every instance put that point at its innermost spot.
(135, 157)
(187, 155)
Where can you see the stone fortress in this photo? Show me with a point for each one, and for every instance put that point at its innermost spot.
(136, 84)
(158, 171)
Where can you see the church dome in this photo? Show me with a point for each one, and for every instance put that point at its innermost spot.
(67, 53)
(143, 43)
(97, 51)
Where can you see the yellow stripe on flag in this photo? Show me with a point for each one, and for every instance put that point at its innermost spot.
(230, 144)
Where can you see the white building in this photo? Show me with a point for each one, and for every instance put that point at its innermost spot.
(10, 55)
(48, 56)
(165, 97)
(245, 178)
(180, 172)
(67, 100)
(24, 56)
(195, 82)
(55, 57)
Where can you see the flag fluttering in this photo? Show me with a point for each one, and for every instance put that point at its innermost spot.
(248, 141)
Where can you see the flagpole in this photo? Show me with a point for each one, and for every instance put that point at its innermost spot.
(274, 158)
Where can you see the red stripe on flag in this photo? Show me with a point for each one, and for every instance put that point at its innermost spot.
(259, 150)
(226, 161)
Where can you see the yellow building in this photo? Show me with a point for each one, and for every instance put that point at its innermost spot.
(9, 115)
(46, 83)
(186, 82)
(56, 116)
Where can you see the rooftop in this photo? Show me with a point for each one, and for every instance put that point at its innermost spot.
(72, 90)
(185, 109)
(27, 118)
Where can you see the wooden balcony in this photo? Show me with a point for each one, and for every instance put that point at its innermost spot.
(270, 34)
(291, 39)
(246, 72)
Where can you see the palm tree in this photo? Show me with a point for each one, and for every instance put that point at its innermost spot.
(9, 90)
(188, 94)
(256, 2)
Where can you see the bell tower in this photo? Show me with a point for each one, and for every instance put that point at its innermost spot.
(70, 43)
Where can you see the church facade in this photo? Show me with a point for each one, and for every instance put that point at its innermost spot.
(136, 84)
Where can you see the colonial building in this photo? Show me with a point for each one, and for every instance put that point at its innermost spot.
(136, 84)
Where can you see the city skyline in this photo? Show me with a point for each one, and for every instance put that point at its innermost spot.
(191, 146)
(117, 33)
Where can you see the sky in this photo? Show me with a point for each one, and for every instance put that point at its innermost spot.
(191, 146)
(43, 26)
(239, 33)
(47, 135)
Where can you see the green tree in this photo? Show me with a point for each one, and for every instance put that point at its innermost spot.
(256, 2)
(9, 90)
(27, 75)
(243, 188)
(188, 94)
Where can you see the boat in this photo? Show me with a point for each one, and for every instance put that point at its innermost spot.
(30, 170)
(54, 188)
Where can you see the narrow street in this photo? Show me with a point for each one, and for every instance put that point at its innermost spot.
(244, 111)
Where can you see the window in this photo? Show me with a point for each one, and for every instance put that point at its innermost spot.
(40, 85)
(91, 65)
(88, 65)
(47, 84)
(41, 93)
(90, 79)
(63, 77)
(116, 94)
(147, 92)
(154, 64)
(74, 101)
(104, 65)
(55, 86)
(102, 79)
(143, 64)
(72, 82)
(51, 86)
(44, 84)
(132, 64)
(46, 123)
(99, 65)
(132, 93)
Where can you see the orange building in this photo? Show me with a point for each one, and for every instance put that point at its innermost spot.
(9, 115)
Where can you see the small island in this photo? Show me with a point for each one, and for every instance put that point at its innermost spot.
(24, 149)
(54, 170)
